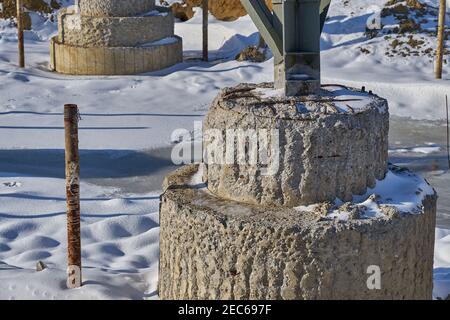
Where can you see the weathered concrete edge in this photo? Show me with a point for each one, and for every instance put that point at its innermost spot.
(75, 60)
(115, 8)
(87, 31)
(417, 284)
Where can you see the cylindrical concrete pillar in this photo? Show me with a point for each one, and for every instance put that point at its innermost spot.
(333, 145)
(213, 248)
(115, 8)
(115, 37)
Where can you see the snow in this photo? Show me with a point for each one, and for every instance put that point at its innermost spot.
(165, 41)
(197, 178)
(120, 238)
(429, 148)
(125, 131)
(441, 264)
(155, 13)
(402, 190)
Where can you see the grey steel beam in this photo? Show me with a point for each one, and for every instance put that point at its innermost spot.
(293, 33)
(263, 19)
(324, 8)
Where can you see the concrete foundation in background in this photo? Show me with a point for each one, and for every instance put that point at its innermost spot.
(114, 37)
(114, 60)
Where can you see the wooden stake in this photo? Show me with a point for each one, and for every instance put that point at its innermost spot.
(71, 117)
(205, 7)
(19, 17)
(441, 35)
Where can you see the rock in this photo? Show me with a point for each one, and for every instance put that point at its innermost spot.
(408, 25)
(229, 10)
(410, 3)
(252, 53)
(9, 8)
(225, 10)
(400, 9)
(182, 11)
(414, 4)
(40, 266)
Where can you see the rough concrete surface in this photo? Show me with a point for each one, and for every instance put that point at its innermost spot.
(115, 8)
(114, 60)
(85, 31)
(323, 153)
(103, 38)
(213, 248)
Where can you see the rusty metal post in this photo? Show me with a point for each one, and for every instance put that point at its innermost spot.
(71, 117)
(205, 7)
(441, 36)
(21, 45)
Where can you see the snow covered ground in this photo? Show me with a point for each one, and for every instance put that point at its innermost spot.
(125, 134)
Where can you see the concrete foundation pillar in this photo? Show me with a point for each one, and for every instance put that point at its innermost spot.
(213, 248)
(320, 147)
(315, 212)
(115, 37)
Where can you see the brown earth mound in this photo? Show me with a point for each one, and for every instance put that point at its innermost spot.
(225, 10)
(9, 9)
